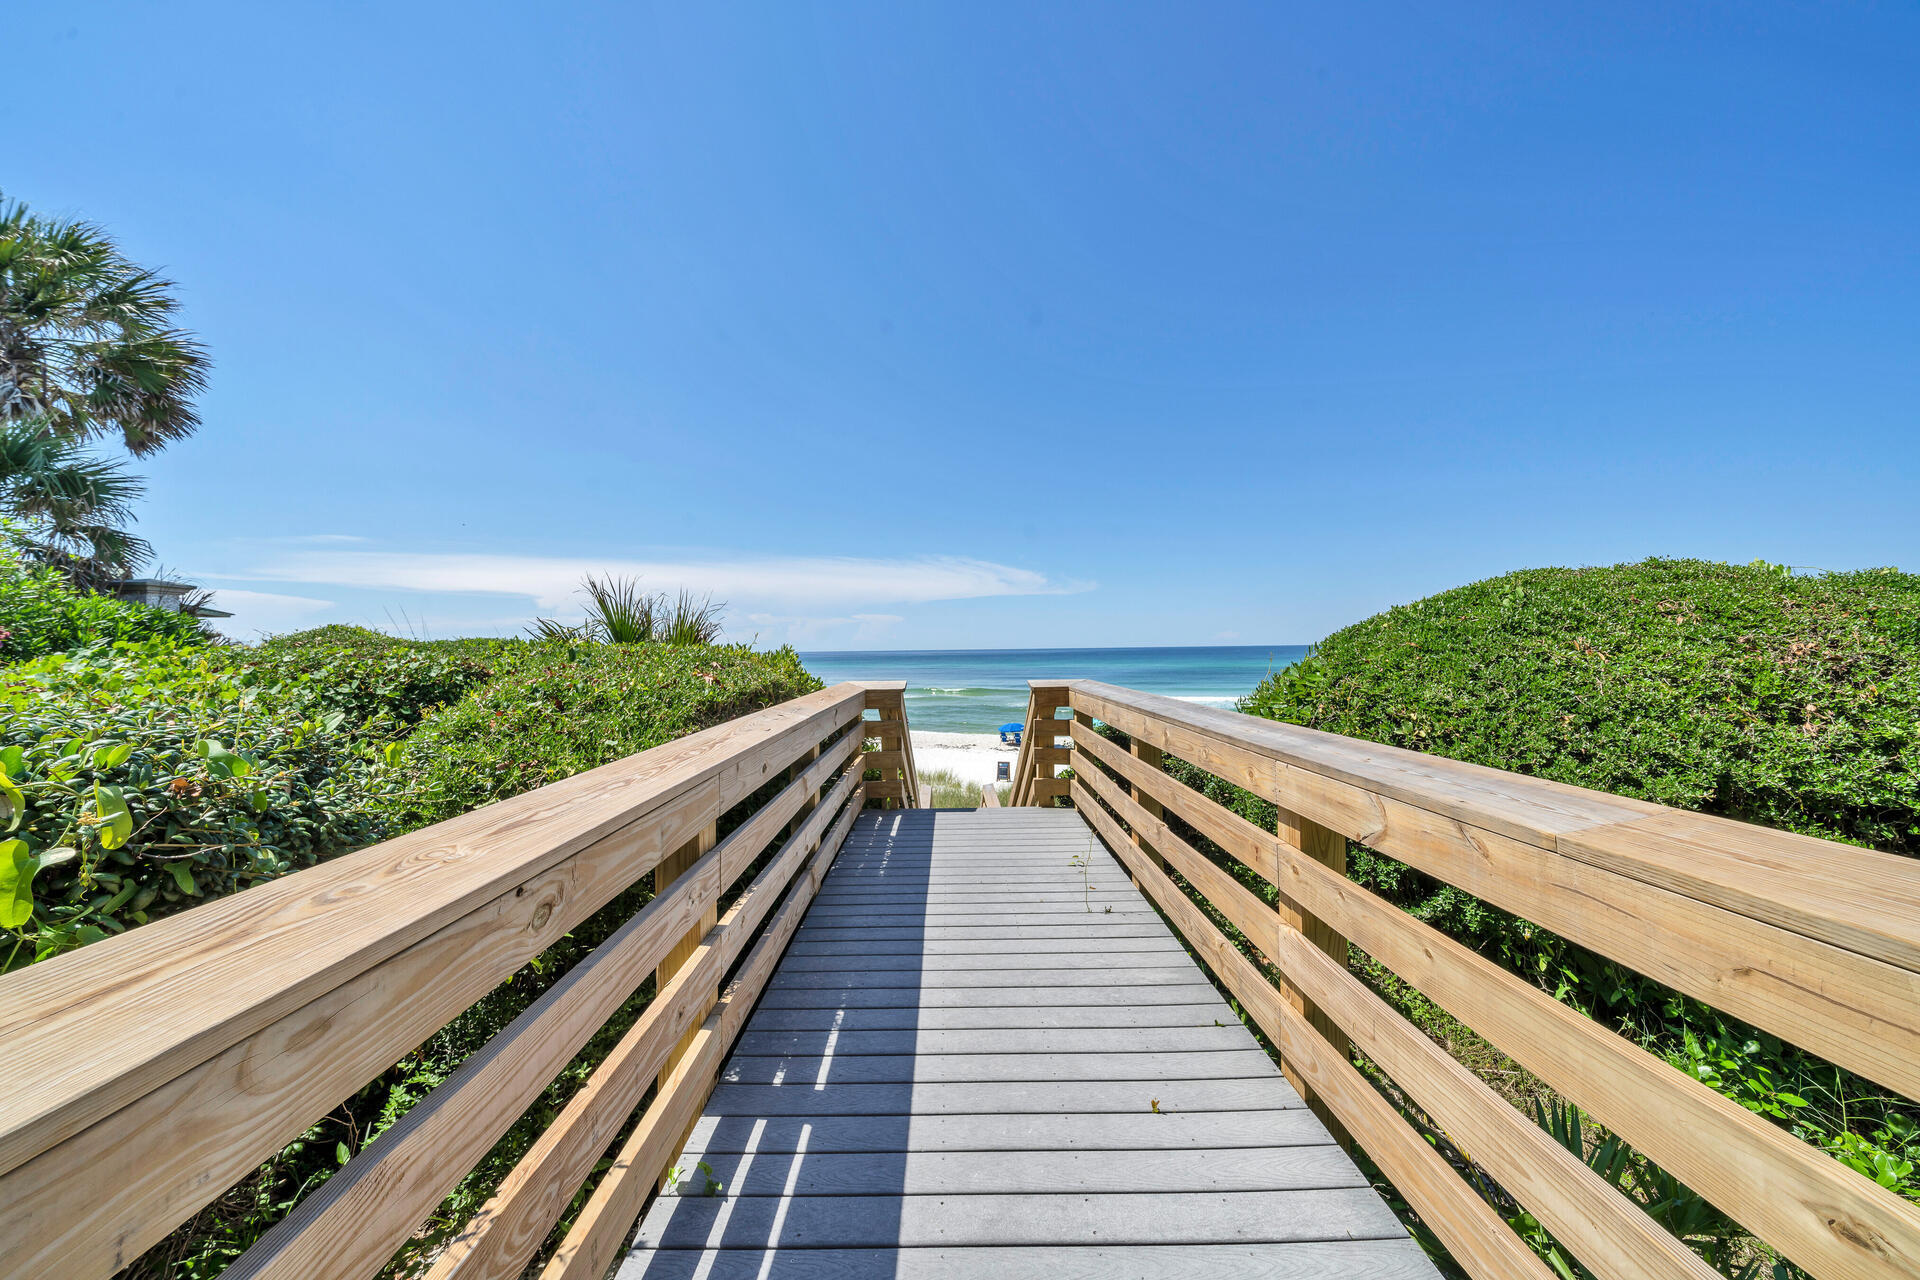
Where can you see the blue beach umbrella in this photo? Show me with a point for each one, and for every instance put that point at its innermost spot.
(1010, 731)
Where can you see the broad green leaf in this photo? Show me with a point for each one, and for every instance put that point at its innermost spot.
(183, 877)
(16, 883)
(13, 805)
(221, 762)
(114, 756)
(13, 761)
(116, 823)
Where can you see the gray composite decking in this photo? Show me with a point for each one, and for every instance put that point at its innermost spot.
(953, 1073)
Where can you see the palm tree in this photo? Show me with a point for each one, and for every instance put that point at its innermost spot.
(88, 344)
(74, 504)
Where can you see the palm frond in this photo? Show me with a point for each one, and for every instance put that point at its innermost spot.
(88, 339)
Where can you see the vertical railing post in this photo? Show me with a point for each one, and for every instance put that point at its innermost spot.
(894, 760)
(1044, 700)
(1329, 848)
(1151, 757)
(669, 869)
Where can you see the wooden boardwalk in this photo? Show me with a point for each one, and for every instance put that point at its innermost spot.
(955, 1072)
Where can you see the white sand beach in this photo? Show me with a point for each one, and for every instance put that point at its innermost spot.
(970, 757)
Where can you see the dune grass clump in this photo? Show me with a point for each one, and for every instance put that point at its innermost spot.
(619, 612)
(950, 791)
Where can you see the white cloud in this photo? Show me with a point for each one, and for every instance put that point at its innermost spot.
(226, 597)
(264, 612)
(553, 582)
(319, 539)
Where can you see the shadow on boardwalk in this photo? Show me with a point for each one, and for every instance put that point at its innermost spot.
(954, 1073)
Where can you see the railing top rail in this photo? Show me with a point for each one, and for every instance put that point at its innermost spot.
(84, 1034)
(1857, 899)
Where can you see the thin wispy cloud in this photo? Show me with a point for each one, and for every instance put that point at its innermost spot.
(234, 596)
(552, 582)
(801, 630)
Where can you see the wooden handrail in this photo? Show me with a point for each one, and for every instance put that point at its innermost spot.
(1825, 965)
(1033, 780)
(899, 782)
(149, 1072)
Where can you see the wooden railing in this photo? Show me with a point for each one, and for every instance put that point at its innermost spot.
(146, 1074)
(898, 785)
(1816, 942)
(1040, 753)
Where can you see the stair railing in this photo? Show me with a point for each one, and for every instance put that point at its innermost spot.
(148, 1073)
(1813, 941)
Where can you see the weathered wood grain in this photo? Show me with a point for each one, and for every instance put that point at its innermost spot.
(1297, 1260)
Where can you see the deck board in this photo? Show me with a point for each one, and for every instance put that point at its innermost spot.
(955, 1070)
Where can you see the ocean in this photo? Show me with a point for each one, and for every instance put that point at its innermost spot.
(978, 690)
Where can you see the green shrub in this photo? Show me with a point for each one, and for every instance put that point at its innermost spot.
(41, 612)
(556, 709)
(1788, 701)
(382, 686)
(149, 777)
(550, 711)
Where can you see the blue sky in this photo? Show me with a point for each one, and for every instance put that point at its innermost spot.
(983, 325)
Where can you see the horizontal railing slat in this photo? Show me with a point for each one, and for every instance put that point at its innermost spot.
(1859, 1012)
(590, 1246)
(507, 1231)
(1852, 898)
(1471, 1231)
(1821, 1214)
(196, 983)
(1611, 1235)
(355, 1222)
(167, 1154)
(1525, 808)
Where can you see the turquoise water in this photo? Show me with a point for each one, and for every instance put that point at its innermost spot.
(978, 690)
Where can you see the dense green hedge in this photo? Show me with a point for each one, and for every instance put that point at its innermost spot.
(147, 777)
(1790, 701)
(557, 708)
(1787, 700)
(42, 613)
(381, 685)
(540, 712)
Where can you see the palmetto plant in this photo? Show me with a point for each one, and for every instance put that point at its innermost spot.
(74, 505)
(619, 612)
(694, 620)
(88, 343)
